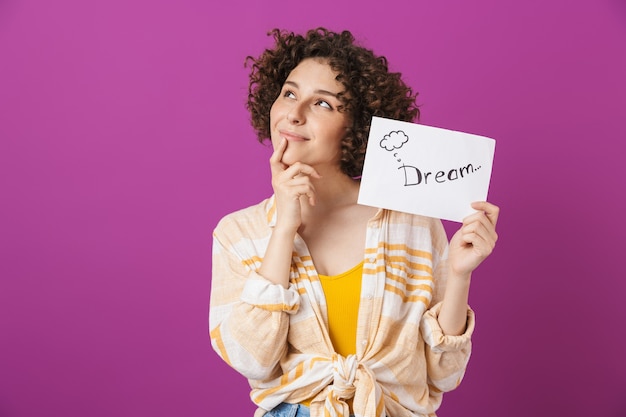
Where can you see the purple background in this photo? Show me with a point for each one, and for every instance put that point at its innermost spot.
(124, 138)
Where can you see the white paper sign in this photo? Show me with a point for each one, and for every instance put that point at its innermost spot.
(425, 170)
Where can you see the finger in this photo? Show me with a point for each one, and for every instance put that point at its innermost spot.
(308, 193)
(310, 197)
(491, 210)
(301, 185)
(479, 245)
(480, 234)
(293, 187)
(299, 169)
(479, 223)
(276, 164)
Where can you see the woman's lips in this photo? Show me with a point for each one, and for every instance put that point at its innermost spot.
(292, 137)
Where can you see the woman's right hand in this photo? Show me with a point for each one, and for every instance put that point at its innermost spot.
(292, 187)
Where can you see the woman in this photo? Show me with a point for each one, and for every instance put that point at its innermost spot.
(326, 306)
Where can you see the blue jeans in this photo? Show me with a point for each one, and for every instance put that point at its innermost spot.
(289, 410)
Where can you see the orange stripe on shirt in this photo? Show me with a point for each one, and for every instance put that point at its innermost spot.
(216, 335)
(277, 307)
(380, 406)
(407, 298)
(252, 261)
(285, 380)
(402, 247)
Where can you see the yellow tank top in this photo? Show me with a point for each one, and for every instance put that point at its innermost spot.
(342, 293)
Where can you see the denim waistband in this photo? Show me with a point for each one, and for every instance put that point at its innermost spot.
(289, 410)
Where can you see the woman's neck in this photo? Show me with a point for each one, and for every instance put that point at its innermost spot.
(335, 188)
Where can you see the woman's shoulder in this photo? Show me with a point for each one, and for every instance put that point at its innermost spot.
(247, 220)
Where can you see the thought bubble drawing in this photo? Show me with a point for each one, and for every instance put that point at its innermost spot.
(394, 140)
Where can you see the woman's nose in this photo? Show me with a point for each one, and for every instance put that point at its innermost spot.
(296, 115)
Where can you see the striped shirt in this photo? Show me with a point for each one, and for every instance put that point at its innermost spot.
(278, 338)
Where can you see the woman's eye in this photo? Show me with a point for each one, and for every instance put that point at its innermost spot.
(324, 104)
(289, 94)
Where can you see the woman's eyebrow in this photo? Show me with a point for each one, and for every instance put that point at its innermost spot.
(323, 92)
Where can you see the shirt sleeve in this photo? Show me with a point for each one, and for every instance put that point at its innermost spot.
(447, 356)
(248, 314)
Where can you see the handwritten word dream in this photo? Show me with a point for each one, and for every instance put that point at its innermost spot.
(415, 176)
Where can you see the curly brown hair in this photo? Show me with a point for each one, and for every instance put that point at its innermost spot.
(370, 88)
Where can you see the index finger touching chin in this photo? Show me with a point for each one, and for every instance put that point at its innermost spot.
(277, 155)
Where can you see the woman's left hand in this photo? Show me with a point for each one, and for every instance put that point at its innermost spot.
(475, 240)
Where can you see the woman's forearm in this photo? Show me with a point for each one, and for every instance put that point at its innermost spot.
(277, 260)
(453, 313)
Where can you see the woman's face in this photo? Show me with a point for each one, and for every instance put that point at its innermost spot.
(306, 114)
